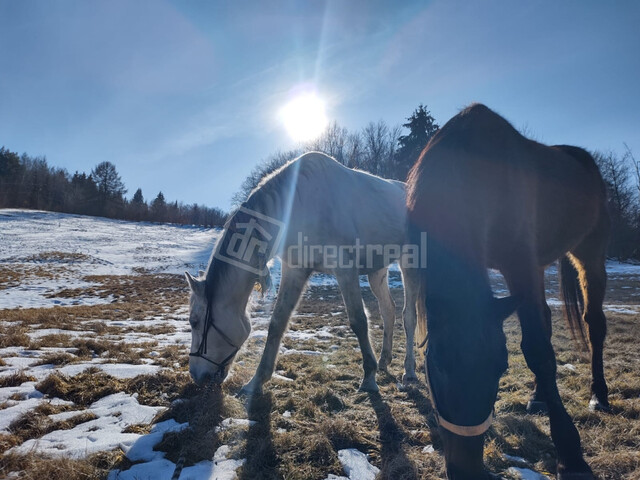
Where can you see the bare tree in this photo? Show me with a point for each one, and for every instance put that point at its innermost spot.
(354, 150)
(635, 165)
(380, 143)
(617, 176)
(332, 142)
(264, 168)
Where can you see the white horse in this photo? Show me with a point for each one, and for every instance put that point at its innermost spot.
(317, 216)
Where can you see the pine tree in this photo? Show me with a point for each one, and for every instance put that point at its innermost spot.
(137, 197)
(422, 126)
(159, 208)
(138, 207)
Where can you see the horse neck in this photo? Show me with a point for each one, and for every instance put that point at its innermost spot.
(229, 278)
(234, 287)
(456, 277)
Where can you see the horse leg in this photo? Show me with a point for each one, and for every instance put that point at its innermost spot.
(593, 278)
(410, 282)
(524, 283)
(291, 286)
(349, 284)
(380, 288)
(537, 403)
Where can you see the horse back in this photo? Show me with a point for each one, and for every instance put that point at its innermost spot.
(484, 188)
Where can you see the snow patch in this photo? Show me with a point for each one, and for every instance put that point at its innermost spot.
(115, 413)
(526, 474)
(11, 414)
(228, 423)
(356, 465)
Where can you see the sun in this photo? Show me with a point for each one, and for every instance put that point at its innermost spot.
(304, 117)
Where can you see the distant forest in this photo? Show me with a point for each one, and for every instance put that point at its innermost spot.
(29, 182)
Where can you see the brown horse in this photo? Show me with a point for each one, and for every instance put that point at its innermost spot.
(489, 197)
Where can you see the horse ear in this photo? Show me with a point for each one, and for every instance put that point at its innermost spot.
(503, 307)
(264, 283)
(197, 286)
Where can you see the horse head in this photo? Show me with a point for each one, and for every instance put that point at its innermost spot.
(463, 364)
(219, 327)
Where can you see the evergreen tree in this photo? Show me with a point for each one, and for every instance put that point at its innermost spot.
(11, 170)
(422, 126)
(159, 208)
(137, 199)
(138, 207)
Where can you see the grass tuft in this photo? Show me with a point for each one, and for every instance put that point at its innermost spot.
(57, 359)
(14, 336)
(15, 379)
(83, 389)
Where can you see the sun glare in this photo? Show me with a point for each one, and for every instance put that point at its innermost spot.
(304, 117)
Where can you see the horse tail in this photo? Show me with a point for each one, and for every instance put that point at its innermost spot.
(573, 300)
(414, 234)
(421, 314)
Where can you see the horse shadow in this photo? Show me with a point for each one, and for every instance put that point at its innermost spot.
(425, 408)
(395, 463)
(262, 460)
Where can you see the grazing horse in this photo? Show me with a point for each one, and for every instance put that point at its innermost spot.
(489, 197)
(317, 216)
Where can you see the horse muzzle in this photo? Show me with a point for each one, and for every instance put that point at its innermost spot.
(464, 456)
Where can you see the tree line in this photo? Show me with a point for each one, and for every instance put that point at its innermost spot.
(30, 182)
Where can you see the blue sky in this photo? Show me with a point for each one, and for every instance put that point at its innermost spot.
(184, 96)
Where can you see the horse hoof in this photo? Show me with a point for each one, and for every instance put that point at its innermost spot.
(369, 387)
(537, 407)
(247, 391)
(409, 379)
(575, 476)
(596, 405)
(383, 363)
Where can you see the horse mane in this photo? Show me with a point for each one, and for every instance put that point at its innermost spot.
(271, 197)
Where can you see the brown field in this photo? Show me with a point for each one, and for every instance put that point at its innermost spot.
(325, 413)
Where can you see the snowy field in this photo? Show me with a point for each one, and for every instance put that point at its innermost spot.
(44, 256)
(71, 247)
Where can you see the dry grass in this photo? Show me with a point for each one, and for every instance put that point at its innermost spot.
(14, 335)
(57, 257)
(92, 384)
(37, 423)
(57, 358)
(9, 277)
(33, 467)
(15, 379)
(326, 413)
